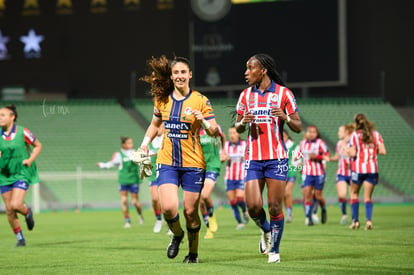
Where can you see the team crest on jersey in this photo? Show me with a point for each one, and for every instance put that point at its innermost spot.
(242, 107)
(188, 111)
(274, 98)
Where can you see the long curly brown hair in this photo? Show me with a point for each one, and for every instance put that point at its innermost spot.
(366, 127)
(159, 78)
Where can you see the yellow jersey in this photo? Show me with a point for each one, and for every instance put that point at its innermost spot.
(181, 146)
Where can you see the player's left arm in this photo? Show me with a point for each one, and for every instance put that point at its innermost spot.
(205, 117)
(381, 146)
(289, 113)
(37, 147)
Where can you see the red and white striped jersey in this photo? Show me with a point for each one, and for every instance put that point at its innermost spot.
(317, 147)
(265, 139)
(365, 161)
(344, 161)
(235, 164)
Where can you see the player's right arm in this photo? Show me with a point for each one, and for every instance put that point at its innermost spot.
(151, 133)
(115, 161)
(244, 117)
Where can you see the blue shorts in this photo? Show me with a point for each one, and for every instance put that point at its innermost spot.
(18, 184)
(234, 184)
(153, 183)
(346, 179)
(132, 188)
(191, 179)
(360, 178)
(291, 179)
(212, 175)
(316, 181)
(271, 169)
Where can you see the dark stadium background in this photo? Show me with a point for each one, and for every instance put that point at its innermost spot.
(89, 54)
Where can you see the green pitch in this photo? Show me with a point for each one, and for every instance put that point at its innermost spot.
(95, 242)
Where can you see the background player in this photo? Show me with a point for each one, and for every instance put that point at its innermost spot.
(128, 178)
(314, 151)
(292, 148)
(265, 107)
(180, 160)
(154, 146)
(233, 153)
(343, 173)
(211, 150)
(365, 144)
(17, 169)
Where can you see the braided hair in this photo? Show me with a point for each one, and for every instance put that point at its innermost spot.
(269, 63)
(367, 128)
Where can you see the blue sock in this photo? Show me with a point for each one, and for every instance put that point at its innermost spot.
(289, 211)
(308, 211)
(158, 217)
(368, 210)
(19, 234)
(276, 225)
(355, 210)
(210, 211)
(242, 205)
(342, 205)
(236, 212)
(205, 219)
(315, 204)
(261, 221)
(127, 219)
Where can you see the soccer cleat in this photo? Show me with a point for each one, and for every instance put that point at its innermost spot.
(140, 219)
(368, 225)
(315, 219)
(127, 225)
(246, 217)
(191, 259)
(29, 219)
(264, 244)
(240, 226)
(324, 216)
(354, 225)
(212, 223)
(308, 222)
(209, 234)
(21, 243)
(273, 258)
(157, 226)
(289, 219)
(344, 219)
(174, 246)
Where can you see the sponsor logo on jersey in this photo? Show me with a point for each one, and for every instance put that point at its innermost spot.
(261, 112)
(262, 120)
(173, 125)
(177, 135)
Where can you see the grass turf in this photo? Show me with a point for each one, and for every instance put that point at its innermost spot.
(95, 242)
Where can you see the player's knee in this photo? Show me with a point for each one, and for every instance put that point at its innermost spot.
(254, 209)
(275, 209)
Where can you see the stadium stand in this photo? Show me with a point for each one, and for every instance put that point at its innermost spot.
(78, 133)
(75, 135)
